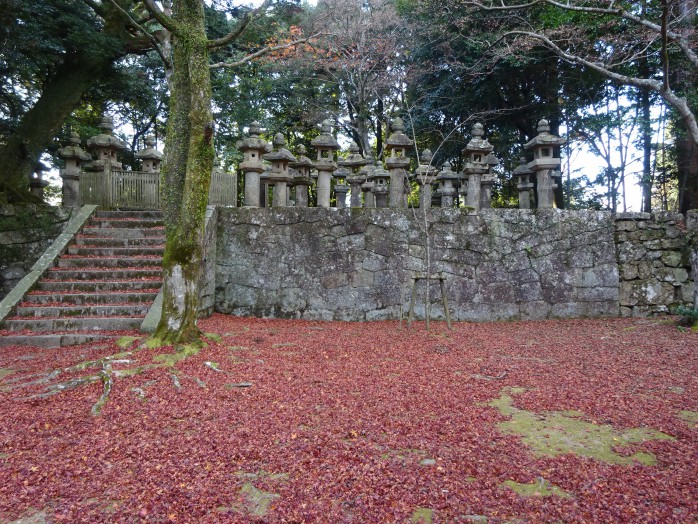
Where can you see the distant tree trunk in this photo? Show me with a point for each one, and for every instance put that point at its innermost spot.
(42, 122)
(186, 173)
(687, 166)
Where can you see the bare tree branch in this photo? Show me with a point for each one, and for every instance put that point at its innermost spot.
(674, 100)
(673, 36)
(262, 52)
(143, 30)
(165, 21)
(240, 27)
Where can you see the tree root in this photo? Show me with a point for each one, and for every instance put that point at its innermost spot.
(108, 381)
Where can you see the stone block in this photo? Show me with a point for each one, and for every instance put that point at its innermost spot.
(334, 280)
(628, 271)
(528, 292)
(674, 275)
(537, 310)
(597, 294)
(645, 292)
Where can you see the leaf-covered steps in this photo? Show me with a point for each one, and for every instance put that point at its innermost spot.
(104, 283)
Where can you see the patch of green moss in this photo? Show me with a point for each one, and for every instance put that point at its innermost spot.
(5, 372)
(154, 343)
(422, 516)
(125, 342)
(170, 359)
(555, 433)
(257, 502)
(538, 488)
(214, 337)
(688, 416)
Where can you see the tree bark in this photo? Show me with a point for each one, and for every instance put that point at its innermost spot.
(186, 173)
(42, 122)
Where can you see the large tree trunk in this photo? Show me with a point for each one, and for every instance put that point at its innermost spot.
(41, 123)
(687, 166)
(186, 174)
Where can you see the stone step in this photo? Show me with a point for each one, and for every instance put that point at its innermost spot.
(97, 286)
(122, 232)
(53, 340)
(108, 262)
(43, 299)
(72, 324)
(131, 223)
(81, 240)
(102, 273)
(108, 310)
(131, 213)
(102, 251)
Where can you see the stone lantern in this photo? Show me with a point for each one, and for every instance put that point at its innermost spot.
(476, 165)
(106, 147)
(544, 163)
(301, 178)
(398, 145)
(150, 157)
(326, 146)
(37, 182)
(341, 188)
(367, 186)
(73, 155)
(524, 184)
(487, 181)
(425, 175)
(447, 179)
(253, 148)
(279, 174)
(380, 177)
(354, 162)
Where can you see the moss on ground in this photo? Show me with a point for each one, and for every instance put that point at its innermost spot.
(5, 372)
(422, 516)
(170, 359)
(688, 416)
(555, 433)
(538, 488)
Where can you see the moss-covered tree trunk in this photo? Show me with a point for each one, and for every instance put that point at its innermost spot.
(186, 172)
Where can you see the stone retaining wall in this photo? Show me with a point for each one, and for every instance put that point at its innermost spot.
(357, 264)
(25, 233)
(654, 252)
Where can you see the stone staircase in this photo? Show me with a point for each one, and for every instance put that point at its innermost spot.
(103, 285)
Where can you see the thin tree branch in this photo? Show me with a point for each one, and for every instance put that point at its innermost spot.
(262, 52)
(165, 21)
(676, 38)
(240, 27)
(664, 51)
(143, 30)
(677, 102)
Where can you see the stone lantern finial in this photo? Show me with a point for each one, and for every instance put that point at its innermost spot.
(524, 185)
(543, 126)
(255, 129)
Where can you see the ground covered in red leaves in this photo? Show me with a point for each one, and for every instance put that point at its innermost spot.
(297, 421)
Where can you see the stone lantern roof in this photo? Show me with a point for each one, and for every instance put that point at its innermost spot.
(544, 137)
(447, 173)
(280, 159)
(253, 141)
(74, 151)
(477, 144)
(398, 139)
(302, 165)
(106, 140)
(354, 159)
(543, 147)
(425, 172)
(325, 140)
(149, 153)
(522, 170)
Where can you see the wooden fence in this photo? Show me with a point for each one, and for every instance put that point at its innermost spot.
(116, 189)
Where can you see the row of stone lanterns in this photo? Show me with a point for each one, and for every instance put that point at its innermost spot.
(106, 147)
(380, 187)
